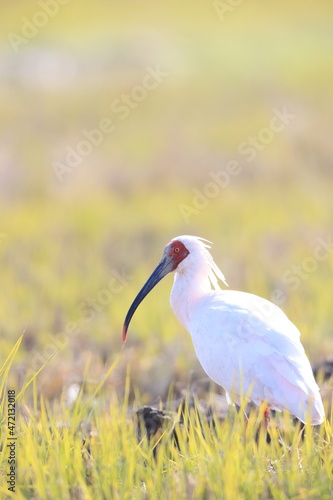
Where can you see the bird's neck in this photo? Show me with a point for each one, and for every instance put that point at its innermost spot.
(188, 288)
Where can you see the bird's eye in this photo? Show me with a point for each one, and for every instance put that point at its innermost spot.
(177, 250)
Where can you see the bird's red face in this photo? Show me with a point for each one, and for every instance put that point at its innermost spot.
(174, 253)
(177, 252)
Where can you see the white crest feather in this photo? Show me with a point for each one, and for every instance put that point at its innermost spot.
(215, 272)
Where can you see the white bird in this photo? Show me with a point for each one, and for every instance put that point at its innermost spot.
(244, 343)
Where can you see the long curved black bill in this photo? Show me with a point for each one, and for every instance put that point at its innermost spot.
(164, 267)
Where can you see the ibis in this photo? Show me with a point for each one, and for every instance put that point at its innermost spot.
(244, 343)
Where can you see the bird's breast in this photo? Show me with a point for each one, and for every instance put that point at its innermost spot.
(216, 348)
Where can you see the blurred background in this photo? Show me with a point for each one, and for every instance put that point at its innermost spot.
(125, 124)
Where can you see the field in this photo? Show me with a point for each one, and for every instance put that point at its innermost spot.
(123, 125)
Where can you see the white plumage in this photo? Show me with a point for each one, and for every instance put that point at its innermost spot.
(245, 343)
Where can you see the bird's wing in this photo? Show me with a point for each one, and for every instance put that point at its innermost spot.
(249, 346)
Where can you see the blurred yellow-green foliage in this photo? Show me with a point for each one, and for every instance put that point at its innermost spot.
(229, 69)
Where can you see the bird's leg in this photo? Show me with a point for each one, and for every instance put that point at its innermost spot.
(301, 425)
(246, 419)
(302, 431)
(245, 415)
(267, 416)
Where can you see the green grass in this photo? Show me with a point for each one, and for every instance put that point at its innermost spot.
(89, 450)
